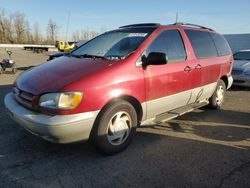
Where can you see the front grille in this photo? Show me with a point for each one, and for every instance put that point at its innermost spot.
(237, 72)
(24, 98)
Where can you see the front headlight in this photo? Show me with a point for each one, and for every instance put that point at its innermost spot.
(66, 100)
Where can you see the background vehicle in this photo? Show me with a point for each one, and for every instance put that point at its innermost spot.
(59, 54)
(64, 46)
(56, 55)
(122, 79)
(241, 68)
(8, 63)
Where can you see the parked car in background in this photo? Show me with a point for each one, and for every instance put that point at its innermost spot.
(120, 80)
(56, 55)
(64, 46)
(59, 54)
(241, 68)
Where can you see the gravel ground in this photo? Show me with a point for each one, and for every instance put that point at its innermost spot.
(205, 148)
(24, 60)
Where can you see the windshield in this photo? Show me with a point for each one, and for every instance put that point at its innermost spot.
(116, 44)
(242, 55)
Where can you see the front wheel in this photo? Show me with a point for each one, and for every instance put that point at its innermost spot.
(218, 96)
(115, 127)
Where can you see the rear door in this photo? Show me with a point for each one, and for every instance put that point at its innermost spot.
(207, 60)
(225, 58)
(167, 86)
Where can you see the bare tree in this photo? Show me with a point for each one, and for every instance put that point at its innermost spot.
(93, 34)
(37, 36)
(86, 34)
(15, 28)
(2, 26)
(19, 27)
(76, 36)
(9, 30)
(28, 34)
(6, 28)
(52, 30)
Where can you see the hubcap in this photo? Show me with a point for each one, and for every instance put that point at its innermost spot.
(219, 95)
(119, 128)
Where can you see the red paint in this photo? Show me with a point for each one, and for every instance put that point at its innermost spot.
(103, 80)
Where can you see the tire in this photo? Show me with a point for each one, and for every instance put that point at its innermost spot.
(115, 127)
(218, 96)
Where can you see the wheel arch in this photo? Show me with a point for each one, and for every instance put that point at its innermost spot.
(225, 80)
(132, 100)
(136, 104)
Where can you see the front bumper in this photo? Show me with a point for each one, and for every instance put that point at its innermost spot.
(57, 128)
(241, 80)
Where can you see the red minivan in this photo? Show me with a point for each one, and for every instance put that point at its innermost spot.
(121, 79)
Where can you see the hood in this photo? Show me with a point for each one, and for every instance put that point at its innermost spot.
(241, 64)
(58, 73)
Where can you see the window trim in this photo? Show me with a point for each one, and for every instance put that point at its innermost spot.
(209, 33)
(184, 45)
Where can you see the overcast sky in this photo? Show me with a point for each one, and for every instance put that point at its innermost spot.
(225, 16)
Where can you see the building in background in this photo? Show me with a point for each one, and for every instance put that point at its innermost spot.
(238, 41)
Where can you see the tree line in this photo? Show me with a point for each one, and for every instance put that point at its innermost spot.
(15, 29)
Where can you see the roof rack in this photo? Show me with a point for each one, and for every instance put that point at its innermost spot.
(141, 25)
(194, 25)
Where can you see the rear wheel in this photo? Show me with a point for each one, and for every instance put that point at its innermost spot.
(115, 127)
(218, 96)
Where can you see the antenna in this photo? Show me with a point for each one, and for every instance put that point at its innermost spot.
(67, 29)
(176, 18)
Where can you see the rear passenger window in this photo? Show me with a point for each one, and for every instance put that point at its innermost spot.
(202, 43)
(170, 43)
(221, 44)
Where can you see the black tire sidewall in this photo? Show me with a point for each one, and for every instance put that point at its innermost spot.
(99, 135)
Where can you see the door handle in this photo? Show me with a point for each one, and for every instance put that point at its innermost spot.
(187, 69)
(198, 66)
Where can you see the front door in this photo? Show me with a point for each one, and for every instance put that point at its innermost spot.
(168, 86)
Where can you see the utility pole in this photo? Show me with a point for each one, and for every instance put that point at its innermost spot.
(67, 29)
(176, 18)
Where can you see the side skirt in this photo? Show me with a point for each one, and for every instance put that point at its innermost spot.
(173, 113)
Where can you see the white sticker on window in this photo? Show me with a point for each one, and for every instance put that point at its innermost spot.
(137, 35)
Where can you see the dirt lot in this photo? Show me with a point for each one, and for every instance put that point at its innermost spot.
(205, 148)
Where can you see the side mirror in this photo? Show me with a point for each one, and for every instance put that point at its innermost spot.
(154, 58)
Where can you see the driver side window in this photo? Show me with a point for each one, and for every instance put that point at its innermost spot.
(170, 43)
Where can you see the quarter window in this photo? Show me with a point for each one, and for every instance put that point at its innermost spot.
(202, 43)
(221, 44)
(170, 43)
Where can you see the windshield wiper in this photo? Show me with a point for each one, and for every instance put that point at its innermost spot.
(112, 57)
(89, 56)
(119, 57)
